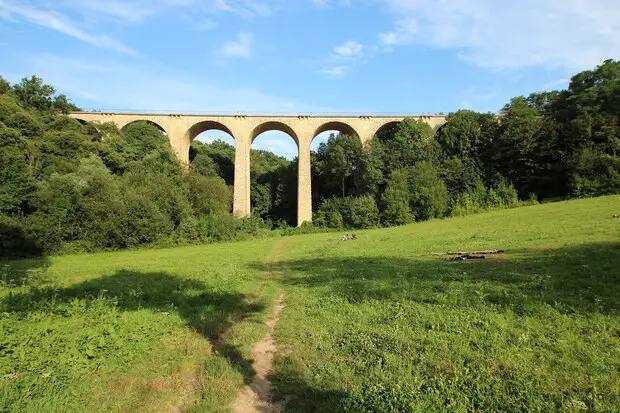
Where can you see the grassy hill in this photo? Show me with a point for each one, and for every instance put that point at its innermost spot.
(376, 324)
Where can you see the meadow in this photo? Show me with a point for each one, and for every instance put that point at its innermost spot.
(381, 323)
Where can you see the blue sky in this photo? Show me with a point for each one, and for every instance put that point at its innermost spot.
(304, 56)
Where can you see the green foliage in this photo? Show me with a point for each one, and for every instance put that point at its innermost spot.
(209, 194)
(329, 214)
(477, 199)
(595, 173)
(35, 94)
(428, 193)
(14, 241)
(349, 212)
(337, 160)
(411, 142)
(364, 213)
(395, 200)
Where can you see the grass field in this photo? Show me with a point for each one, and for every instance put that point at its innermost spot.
(377, 324)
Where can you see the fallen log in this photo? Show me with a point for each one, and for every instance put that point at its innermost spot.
(466, 257)
(489, 252)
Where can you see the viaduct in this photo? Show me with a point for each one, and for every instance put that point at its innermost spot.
(183, 129)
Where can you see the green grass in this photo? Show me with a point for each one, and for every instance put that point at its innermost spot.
(377, 324)
(131, 331)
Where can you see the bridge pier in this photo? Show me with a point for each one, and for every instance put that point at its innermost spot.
(304, 182)
(241, 190)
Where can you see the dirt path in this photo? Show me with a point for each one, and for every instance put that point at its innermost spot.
(256, 397)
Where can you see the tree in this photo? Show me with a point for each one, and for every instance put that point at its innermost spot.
(412, 141)
(209, 194)
(428, 193)
(395, 200)
(338, 159)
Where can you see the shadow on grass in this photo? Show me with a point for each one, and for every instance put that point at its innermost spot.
(209, 313)
(578, 279)
(583, 278)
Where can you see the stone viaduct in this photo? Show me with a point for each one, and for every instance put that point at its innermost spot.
(182, 129)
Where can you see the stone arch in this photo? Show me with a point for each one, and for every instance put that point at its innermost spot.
(226, 166)
(207, 125)
(150, 122)
(277, 126)
(337, 126)
(386, 127)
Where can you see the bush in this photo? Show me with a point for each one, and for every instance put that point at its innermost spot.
(209, 194)
(364, 213)
(506, 195)
(395, 200)
(349, 212)
(329, 215)
(595, 173)
(428, 193)
(478, 199)
(15, 242)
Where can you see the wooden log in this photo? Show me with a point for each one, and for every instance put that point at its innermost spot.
(489, 252)
(466, 257)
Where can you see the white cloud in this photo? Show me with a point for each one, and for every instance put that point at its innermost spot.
(327, 3)
(554, 84)
(572, 35)
(343, 59)
(349, 50)
(138, 10)
(58, 22)
(335, 72)
(241, 47)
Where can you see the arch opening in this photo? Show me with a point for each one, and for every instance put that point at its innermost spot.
(322, 136)
(386, 130)
(276, 127)
(148, 122)
(212, 150)
(334, 127)
(273, 174)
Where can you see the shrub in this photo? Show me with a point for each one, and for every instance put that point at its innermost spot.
(595, 173)
(428, 193)
(395, 200)
(364, 212)
(349, 212)
(209, 194)
(506, 194)
(329, 214)
(15, 242)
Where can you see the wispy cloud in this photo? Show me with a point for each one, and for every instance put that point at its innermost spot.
(60, 23)
(146, 88)
(342, 59)
(555, 83)
(335, 72)
(242, 46)
(480, 98)
(327, 3)
(138, 10)
(510, 35)
(349, 50)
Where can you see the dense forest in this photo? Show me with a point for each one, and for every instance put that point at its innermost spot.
(68, 186)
